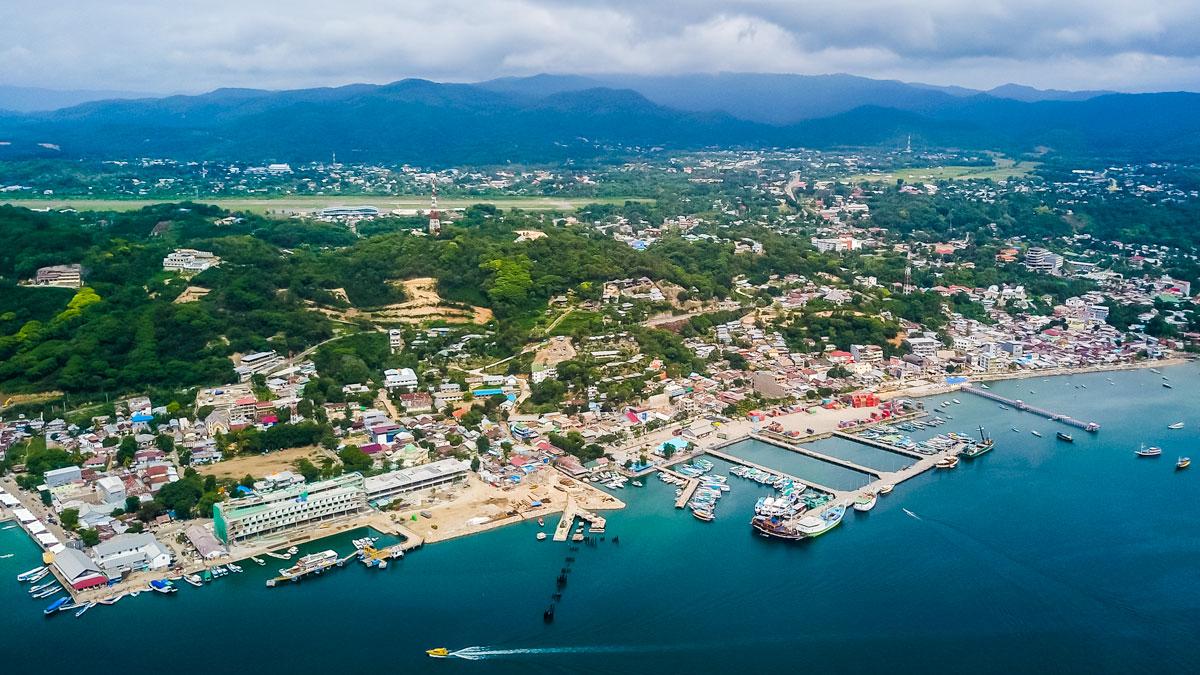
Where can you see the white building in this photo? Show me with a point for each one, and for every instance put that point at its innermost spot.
(403, 378)
(258, 362)
(131, 552)
(923, 346)
(441, 473)
(396, 340)
(189, 261)
(1038, 259)
(286, 509)
(112, 490)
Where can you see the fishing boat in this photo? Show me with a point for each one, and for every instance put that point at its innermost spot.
(162, 586)
(815, 526)
(47, 592)
(439, 653)
(1016, 430)
(947, 462)
(1168, 385)
(703, 514)
(56, 605)
(885, 489)
(234, 568)
(1183, 463)
(194, 580)
(84, 609)
(865, 501)
(1176, 426)
(1037, 433)
(1156, 371)
(28, 576)
(1065, 437)
(1152, 451)
(956, 401)
(42, 587)
(258, 561)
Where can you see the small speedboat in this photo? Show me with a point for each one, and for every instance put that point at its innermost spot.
(438, 653)
(541, 536)
(56, 605)
(885, 489)
(1037, 433)
(1065, 437)
(1152, 451)
(1168, 385)
(1183, 463)
(1176, 426)
(947, 462)
(194, 580)
(1016, 430)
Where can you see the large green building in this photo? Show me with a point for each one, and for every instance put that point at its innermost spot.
(277, 511)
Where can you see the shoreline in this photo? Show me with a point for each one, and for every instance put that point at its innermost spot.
(938, 388)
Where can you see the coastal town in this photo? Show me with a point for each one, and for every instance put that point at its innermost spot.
(150, 494)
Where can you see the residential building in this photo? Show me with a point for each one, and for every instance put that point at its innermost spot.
(923, 346)
(64, 276)
(403, 378)
(282, 510)
(1038, 259)
(189, 261)
(258, 362)
(112, 490)
(67, 474)
(396, 340)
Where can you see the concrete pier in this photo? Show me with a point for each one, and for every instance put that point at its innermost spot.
(880, 444)
(845, 464)
(733, 459)
(1025, 407)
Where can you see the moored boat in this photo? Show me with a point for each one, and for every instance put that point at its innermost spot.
(84, 609)
(865, 501)
(885, 489)
(29, 575)
(1037, 433)
(815, 526)
(541, 536)
(1176, 426)
(313, 562)
(56, 605)
(162, 586)
(1065, 437)
(194, 580)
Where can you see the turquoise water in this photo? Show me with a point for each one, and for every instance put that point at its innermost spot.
(1040, 556)
(801, 466)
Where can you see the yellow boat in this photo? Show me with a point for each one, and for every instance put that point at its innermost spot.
(439, 653)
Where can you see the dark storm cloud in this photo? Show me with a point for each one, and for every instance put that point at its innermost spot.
(191, 46)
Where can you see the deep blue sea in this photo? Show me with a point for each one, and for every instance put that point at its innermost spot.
(1041, 556)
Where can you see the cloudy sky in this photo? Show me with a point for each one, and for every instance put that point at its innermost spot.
(188, 46)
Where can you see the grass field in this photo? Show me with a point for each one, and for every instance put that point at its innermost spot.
(310, 203)
(1003, 169)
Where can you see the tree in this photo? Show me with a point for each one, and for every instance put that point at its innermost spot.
(354, 459)
(164, 442)
(69, 518)
(89, 537)
(126, 451)
(482, 444)
(307, 469)
(475, 463)
(132, 504)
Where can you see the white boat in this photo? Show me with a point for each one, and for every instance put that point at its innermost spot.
(956, 401)
(194, 580)
(313, 562)
(815, 526)
(258, 561)
(865, 502)
(1037, 433)
(29, 575)
(541, 536)
(1177, 425)
(84, 609)
(884, 489)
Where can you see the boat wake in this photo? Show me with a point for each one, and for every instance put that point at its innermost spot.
(480, 653)
(910, 513)
(6, 555)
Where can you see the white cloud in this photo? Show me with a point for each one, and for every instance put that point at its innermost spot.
(194, 46)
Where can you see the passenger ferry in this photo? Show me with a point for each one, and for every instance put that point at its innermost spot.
(313, 562)
(1152, 451)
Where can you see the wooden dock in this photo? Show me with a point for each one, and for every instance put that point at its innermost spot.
(688, 490)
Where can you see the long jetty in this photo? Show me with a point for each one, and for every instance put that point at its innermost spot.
(880, 444)
(734, 459)
(837, 461)
(1021, 405)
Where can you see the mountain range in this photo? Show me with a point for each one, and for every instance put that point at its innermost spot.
(560, 117)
